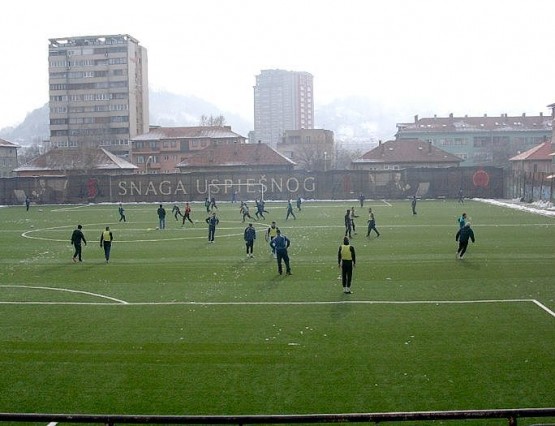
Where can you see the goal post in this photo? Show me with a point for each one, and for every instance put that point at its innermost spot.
(245, 191)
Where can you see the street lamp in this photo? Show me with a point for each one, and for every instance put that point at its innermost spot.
(325, 160)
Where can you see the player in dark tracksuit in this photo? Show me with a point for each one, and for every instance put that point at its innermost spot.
(346, 259)
(249, 237)
(281, 243)
(259, 209)
(348, 224)
(290, 211)
(121, 212)
(371, 223)
(176, 211)
(463, 235)
(76, 239)
(212, 221)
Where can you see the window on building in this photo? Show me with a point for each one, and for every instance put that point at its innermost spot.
(500, 140)
(481, 141)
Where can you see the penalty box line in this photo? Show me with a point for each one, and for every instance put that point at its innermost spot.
(357, 302)
(117, 302)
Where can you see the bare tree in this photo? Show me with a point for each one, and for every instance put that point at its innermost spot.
(28, 153)
(344, 157)
(314, 157)
(212, 121)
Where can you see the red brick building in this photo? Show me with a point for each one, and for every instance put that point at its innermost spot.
(163, 148)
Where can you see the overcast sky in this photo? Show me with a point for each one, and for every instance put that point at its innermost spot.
(423, 57)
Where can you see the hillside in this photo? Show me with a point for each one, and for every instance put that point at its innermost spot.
(356, 122)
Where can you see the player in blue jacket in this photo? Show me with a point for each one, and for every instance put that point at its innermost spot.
(281, 243)
(212, 221)
(249, 237)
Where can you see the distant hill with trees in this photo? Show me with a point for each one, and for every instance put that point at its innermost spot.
(357, 123)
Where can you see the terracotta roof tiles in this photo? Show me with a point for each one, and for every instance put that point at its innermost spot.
(199, 132)
(63, 159)
(236, 155)
(408, 151)
(543, 151)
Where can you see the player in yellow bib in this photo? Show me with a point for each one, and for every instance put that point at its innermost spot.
(271, 233)
(346, 260)
(106, 239)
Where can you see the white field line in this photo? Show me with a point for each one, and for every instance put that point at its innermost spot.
(28, 234)
(545, 308)
(301, 303)
(67, 290)
(340, 302)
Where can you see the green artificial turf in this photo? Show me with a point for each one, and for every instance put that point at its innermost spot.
(174, 325)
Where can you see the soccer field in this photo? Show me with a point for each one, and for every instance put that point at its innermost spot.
(174, 325)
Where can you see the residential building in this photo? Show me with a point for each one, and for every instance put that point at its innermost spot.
(8, 158)
(480, 141)
(76, 161)
(283, 100)
(405, 154)
(243, 158)
(98, 91)
(311, 149)
(538, 159)
(163, 148)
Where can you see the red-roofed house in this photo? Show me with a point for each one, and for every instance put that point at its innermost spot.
(257, 157)
(8, 158)
(536, 159)
(76, 161)
(405, 154)
(162, 148)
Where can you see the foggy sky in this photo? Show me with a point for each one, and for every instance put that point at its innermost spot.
(414, 57)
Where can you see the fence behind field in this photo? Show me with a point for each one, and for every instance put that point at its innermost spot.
(530, 186)
(330, 185)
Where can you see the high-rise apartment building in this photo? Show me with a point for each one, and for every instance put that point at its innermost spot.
(283, 100)
(98, 91)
